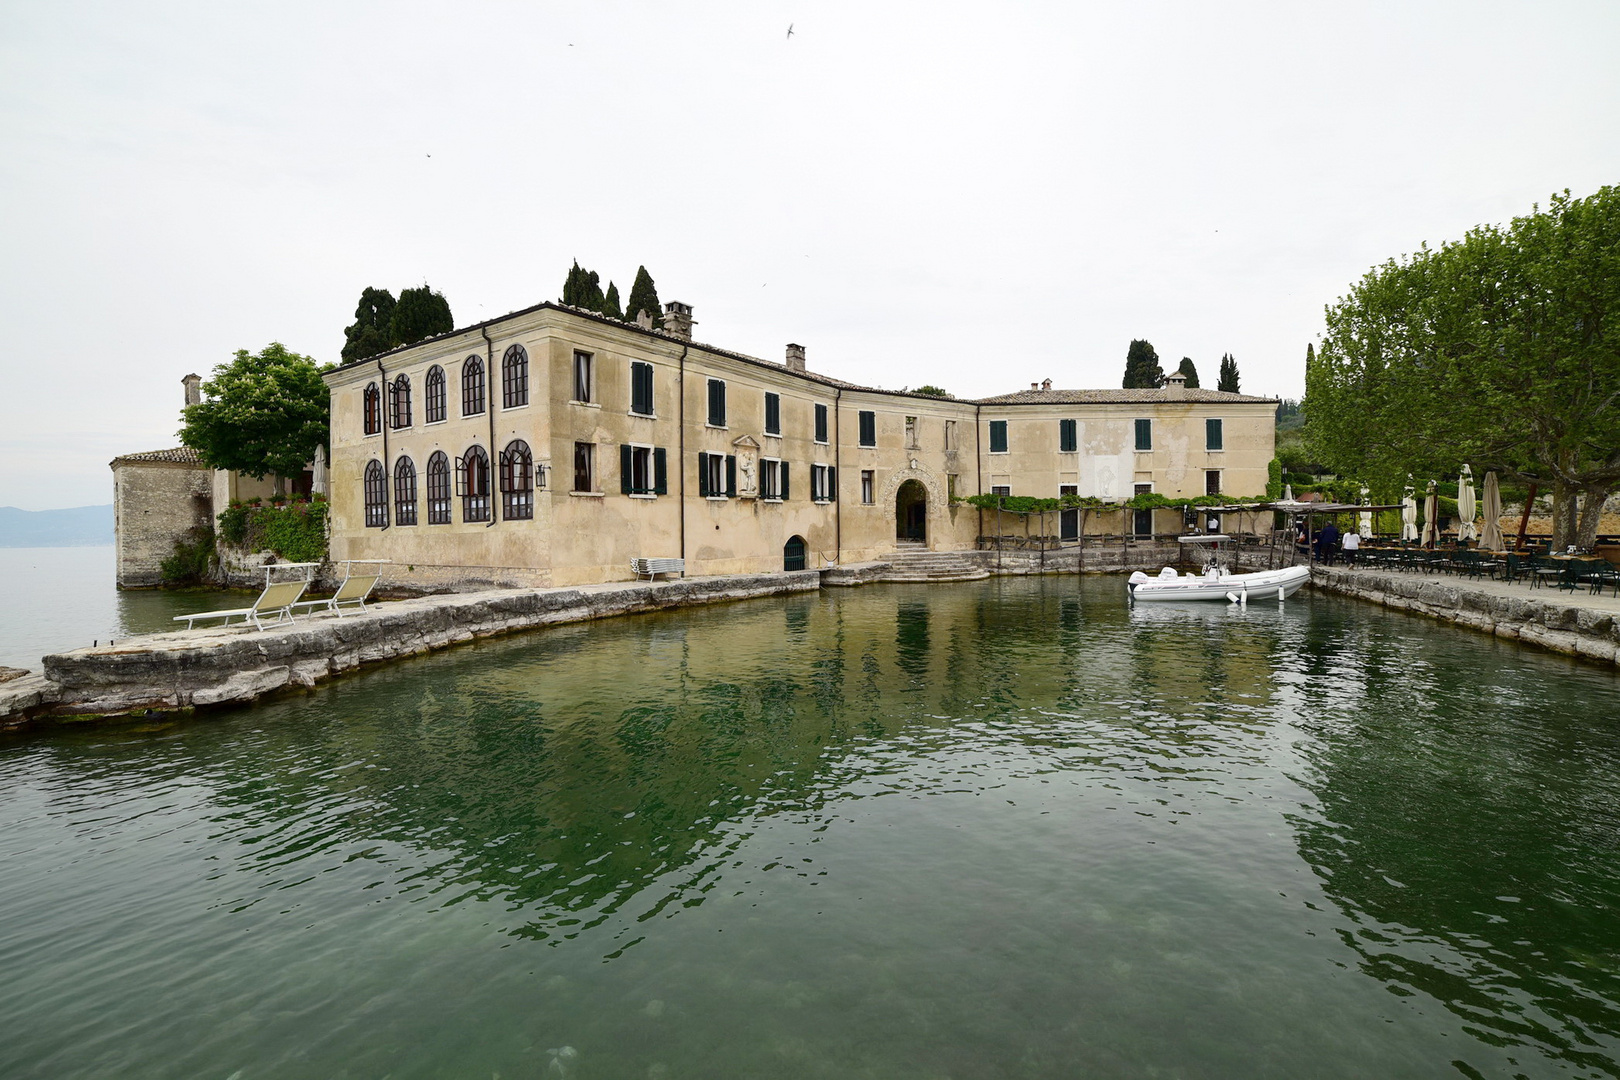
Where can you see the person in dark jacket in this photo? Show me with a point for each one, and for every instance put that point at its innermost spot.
(1327, 543)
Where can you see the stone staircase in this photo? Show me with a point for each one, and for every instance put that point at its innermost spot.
(919, 564)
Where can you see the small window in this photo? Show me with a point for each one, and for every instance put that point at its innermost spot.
(1001, 489)
(1144, 434)
(472, 480)
(866, 487)
(1213, 435)
(517, 482)
(1068, 436)
(514, 378)
(376, 496)
(433, 406)
(643, 470)
(373, 410)
(1212, 481)
(821, 423)
(998, 436)
(868, 428)
(911, 433)
(582, 376)
(950, 487)
(823, 483)
(950, 436)
(399, 403)
(641, 388)
(438, 489)
(717, 403)
(773, 414)
(584, 466)
(472, 386)
(404, 491)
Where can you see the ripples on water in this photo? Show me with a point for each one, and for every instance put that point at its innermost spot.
(1002, 829)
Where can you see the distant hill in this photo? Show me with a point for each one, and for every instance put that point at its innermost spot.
(79, 526)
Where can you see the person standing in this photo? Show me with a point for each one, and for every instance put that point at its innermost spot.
(1327, 543)
(1350, 545)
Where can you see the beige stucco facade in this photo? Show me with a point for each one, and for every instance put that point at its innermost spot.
(585, 526)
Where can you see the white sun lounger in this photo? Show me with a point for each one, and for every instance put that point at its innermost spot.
(354, 591)
(277, 600)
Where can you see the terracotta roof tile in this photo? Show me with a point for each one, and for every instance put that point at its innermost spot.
(180, 455)
(1122, 397)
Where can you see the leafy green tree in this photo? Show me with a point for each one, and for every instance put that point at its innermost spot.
(1190, 370)
(262, 413)
(643, 297)
(1228, 382)
(1142, 370)
(1501, 349)
(932, 391)
(610, 303)
(421, 313)
(370, 333)
(583, 289)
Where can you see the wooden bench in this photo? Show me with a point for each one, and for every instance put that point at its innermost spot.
(651, 568)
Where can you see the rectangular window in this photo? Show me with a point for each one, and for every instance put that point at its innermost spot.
(584, 467)
(821, 423)
(717, 403)
(1144, 434)
(770, 484)
(1213, 435)
(1212, 481)
(582, 376)
(868, 428)
(1068, 436)
(998, 436)
(717, 476)
(866, 486)
(950, 436)
(642, 470)
(823, 483)
(1001, 489)
(773, 414)
(1069, 519)
(911, 433)
(641, 388)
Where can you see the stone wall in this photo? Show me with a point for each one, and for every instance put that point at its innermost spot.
(155, 504)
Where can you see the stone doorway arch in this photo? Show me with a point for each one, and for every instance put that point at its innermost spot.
(934, 504)
(911, 511)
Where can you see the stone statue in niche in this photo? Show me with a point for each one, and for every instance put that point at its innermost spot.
(747, 451)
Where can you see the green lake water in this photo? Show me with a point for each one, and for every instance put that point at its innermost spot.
(1009, 828)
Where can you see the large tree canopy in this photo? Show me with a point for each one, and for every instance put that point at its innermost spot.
(644, 297)
(1227, 381)
(369, 335)
(1190, 371)
(1501, 350)
(420, 314)
(261, 414)
(1142, 370)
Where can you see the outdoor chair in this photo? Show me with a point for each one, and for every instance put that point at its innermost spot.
(354, 592)
(276, 600)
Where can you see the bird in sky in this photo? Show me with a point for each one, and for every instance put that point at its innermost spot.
(790, 30)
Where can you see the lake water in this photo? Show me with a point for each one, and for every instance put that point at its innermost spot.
(1007, 828)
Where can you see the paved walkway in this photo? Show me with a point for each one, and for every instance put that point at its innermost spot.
(1606, 602)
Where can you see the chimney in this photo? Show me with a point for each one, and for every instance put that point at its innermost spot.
(795, 357)
(193, 385)
(1175, 384)
(678, 319)
(1046, 384)
(1034, 386)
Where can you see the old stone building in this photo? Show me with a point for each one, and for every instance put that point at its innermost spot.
(552, 446)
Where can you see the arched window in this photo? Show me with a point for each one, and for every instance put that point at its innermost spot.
(373, 409)
(376, 496)
(517, 482)
(399, 403)
(472, 386)
(433, 407)
(514, 378)
(404, 491)
(472, 484)
(438, 489)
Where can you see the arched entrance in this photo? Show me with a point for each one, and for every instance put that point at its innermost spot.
(911, 511)
(793, 553)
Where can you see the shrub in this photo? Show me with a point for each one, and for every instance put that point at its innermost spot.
(295, 531)
(193, 558)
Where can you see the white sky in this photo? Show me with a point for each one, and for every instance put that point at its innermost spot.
(973, 195)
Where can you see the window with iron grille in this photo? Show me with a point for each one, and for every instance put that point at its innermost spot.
(1068, 436)
(821, 423)
(373, 409)
(517, 482)
(868, 428)
(1144, 434)
(472, 386)
(584, 467)
(399, 403)
(514, 378)
(1212, 481)
(641, 388)
(433, 406)
(582, 376)
(998, 437)
(643, 470)
(823, 483)
(404, 491)
(438, 489)
(1214, 437)
(773, 414)
(1001, 489)
(717, 403)
(472, 484)
(376, 496)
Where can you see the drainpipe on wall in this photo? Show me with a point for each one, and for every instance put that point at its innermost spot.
(489, 388)
(385, 406)
(838, 469)
(680, 445)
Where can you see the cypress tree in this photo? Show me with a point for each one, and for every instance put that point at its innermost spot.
(1142, 370)
(369, 334)
(570, 293)
(421, 313)
(1229, 375)
(610, 303)
(1188, 369)
(644, 297)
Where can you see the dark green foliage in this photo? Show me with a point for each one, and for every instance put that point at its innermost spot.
(644, 297)
(1229, 375)
(610, 303)
(1188, 369)
(583, 289)
(1142, 370)
(295, 531)
(1274, 479)
(1151, 500)
(260, 414)
(1290, 415)
(370, 333)
(930, 390)
(420, 314)
(193, 558)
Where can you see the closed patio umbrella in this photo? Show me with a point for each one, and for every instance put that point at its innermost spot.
(1465, 506)
(1408, 514)
(1491, 538)
(1364, 525)
(1431, 517)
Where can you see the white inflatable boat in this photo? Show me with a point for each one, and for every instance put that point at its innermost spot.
(1217, 584)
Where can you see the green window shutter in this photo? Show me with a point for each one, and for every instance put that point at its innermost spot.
(773, 414)
(624, 469)
(703, 476)
(998, 436)
(641, 397)
(782, 471)
(832, 483)
(821, 423)
(1068, 436)
(660, 472)
(1212, 434)
(717, 403)
(731, 476)
(868, 428)
(1144, 434)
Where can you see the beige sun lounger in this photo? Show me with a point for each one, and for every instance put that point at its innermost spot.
(276, 600)
(355, 590)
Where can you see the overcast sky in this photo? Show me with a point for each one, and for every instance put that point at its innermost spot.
(973, 195)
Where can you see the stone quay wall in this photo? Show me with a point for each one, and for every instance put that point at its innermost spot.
(1561, 625)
